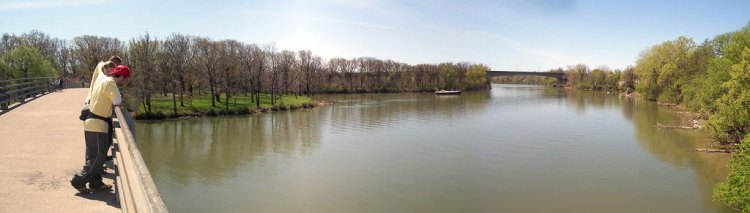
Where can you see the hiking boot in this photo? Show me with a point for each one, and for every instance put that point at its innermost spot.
(102, 187)
(78, 183)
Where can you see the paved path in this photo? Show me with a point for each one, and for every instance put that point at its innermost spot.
(41, 147)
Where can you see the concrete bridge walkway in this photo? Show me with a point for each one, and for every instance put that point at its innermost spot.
(41, 147)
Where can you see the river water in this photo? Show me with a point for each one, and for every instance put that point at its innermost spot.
(516, 148)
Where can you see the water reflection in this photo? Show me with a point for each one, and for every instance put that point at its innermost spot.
(677, 146)
(208, 150)
(370, 111)
(674, 146)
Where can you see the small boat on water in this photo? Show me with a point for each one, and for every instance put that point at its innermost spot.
(447, 92)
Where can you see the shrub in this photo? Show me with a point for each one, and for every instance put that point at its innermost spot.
(735, 192)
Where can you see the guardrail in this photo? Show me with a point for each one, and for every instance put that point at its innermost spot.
(135, 188)
(18, 90)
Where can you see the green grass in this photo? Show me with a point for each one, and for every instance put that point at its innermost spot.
(161, 106)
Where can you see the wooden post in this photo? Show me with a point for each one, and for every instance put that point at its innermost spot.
(3, 97)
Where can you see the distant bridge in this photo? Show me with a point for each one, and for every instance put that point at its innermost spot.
(561, 78)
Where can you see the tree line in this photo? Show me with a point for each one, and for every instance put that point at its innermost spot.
(183, 65)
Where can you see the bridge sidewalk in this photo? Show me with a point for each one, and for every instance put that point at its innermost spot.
(41, 147)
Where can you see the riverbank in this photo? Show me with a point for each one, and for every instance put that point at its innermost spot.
(689, 121)
(200, 105)
(161, 107)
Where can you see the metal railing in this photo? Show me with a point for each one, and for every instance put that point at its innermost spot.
(18, 90)
(135, 188)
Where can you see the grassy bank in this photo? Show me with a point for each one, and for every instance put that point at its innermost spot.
(200, 105)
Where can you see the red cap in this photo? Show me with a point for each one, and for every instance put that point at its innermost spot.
(121, 70)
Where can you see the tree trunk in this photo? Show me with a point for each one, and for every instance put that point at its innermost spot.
(182, 91)
(226, 101)
(145, 109)
(174, 103)
(148, 102)
(213, 92)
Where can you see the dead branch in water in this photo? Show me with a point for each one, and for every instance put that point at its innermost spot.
(676, 127)
(713, 150)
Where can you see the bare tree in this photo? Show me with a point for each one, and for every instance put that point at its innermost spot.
(346, 68)
(144, 60)
(64, 59)
(363, 68)
(177, 56)
(46, 45)
(229, 52)
(285, 64)
(207, 56)
(257, 64)
(89, 50)
(310, 67)
(380, 69)
(333, 70)
(9, 42)
(273, 70)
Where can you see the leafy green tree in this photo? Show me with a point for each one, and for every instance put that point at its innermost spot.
(666, 83)
(702, 87)
(729, 123)
(25, 62)
(612, 80)
(732, 119)
(737, 42)
(596, 80)
(476, 77)
(702, 92)
(449, 75)
(663, 69)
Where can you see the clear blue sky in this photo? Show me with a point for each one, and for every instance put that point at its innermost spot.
(503, 34)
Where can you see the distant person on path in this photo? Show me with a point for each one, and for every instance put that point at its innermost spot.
(59, 85)
(55, 85)
(104, 96)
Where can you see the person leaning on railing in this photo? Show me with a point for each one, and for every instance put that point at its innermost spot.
(102, 70)
(104, 95)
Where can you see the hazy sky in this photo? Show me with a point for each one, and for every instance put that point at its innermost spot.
(503, 34)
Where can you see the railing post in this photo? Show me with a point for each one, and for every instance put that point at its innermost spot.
(38, 86)
(3, 97)
(19, 87)
(43, 86)
(48, 83)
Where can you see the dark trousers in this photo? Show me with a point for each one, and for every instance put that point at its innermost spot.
(97, 144)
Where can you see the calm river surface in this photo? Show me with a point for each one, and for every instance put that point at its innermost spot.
(515, 148)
